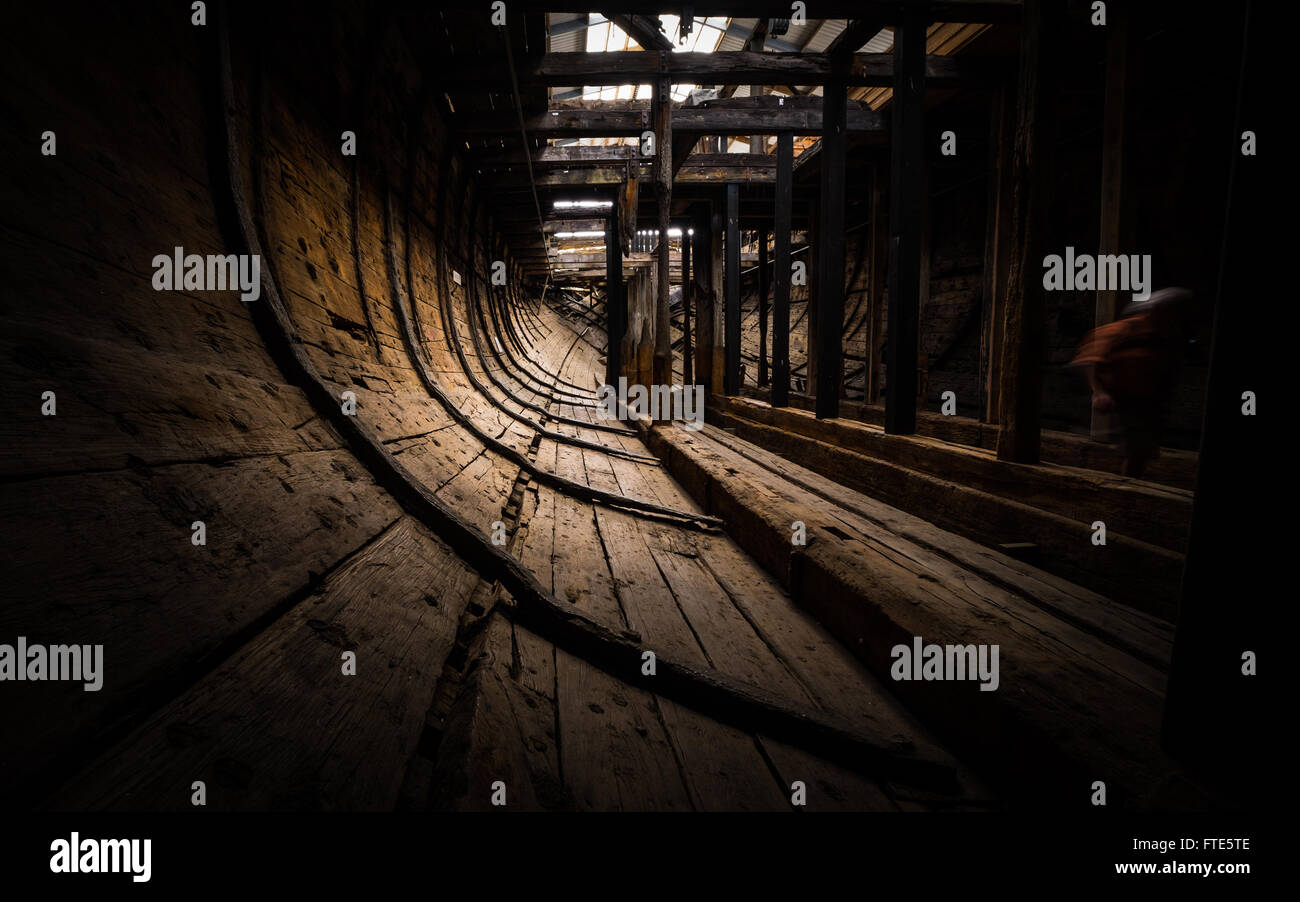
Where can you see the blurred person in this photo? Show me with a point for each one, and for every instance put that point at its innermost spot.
(1132, 368)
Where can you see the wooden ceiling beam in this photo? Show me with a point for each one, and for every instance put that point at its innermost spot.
(854, 35)
(560, 157)
(734, 67)
(992, 12)
(753, 43)
(736, 161)
(637, 260)
(644, 30)
(746, 116)
(718, 167)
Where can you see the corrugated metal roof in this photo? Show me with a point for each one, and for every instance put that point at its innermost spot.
(820, 37)
(797, 34)
(883, 40)
(738, 33)
(566, 32)
(941, 38)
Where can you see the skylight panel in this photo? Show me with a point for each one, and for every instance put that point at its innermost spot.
(604, 36)
(704, 38)
(670, 24)
(597, 34)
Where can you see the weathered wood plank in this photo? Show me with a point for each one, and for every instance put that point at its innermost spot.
(1146, 637)
(892, 598)
(113, 557)
(498, 732)
(280, 725)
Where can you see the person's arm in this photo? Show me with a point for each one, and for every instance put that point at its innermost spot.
(1101, 399)
(1092, 352)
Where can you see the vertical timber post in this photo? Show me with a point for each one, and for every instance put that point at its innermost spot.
(814, 249)
(996, 243)
(663, 172)
(879, 251)
(1023, 318)
(615, 301)
(688, 374)
(1221, 716)
(781, 270)
(705, 300)
(1116, 227)
(906, 207)
(762, 307)
(830, 262)
(731, 324)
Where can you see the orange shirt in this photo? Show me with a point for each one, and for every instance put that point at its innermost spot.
(1136, 356)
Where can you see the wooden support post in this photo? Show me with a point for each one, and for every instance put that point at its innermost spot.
(688, 375)
(879, 251)
(810, 296)
(906, 215)
(762, 307)
(1023, 317)
(757, 143)
(731, 349)
(830, 274)
(705, 299)
(997, 245)
(1219, 716)
(663, 179)
(615, 300)
(717, 222)
(1117, 230)
(663, 359)
(781, 270)
(923, 291)
(645, 317)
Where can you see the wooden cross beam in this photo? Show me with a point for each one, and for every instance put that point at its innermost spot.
(552, 157)
(561, 218)
(854, 35)
(737, 67)
(711, 168)
(635, 260)
(984, 11)
(590, 274)
(754, 43)
(748, 116)
(576, 225)
(644, 30)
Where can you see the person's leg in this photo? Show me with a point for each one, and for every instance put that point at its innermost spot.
(1133, 467)
(1139, 418)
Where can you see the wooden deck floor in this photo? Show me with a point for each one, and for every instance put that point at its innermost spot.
(225, 661)
(471, 536)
